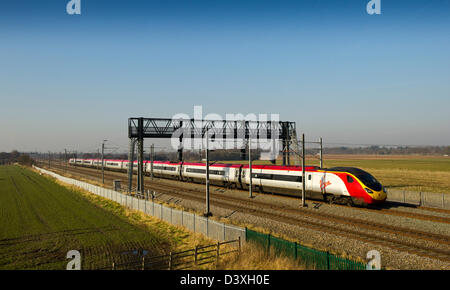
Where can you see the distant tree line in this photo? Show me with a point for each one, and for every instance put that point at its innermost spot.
(15, 157)
(228, 155)
(188, 155)
(390, 150)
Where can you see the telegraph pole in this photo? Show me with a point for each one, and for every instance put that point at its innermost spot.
(98, 157)
(321, 153)
(65, 160)
(303, 171)
(250, 189)
(208, 213)
(103, 155)
(152, 159)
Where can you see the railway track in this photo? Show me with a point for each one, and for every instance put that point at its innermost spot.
(367, 231)
(383, 210)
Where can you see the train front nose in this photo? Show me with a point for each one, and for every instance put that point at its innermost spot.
(379, 196)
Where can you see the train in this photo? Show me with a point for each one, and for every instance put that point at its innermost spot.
(349, 185)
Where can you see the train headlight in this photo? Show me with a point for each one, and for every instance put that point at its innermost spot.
(368, 190)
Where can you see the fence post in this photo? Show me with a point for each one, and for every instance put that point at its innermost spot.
(421, 197)
(113, 266)
(143, 262)
(328, 260)
(195, 255)
(295, 250)
(239, 241)
(218, 254)
(170, 261)
(224, 231)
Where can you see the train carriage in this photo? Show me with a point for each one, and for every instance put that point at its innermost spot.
(165, 169)
(97, 162)
(220, 174)
(113, 164)
(358, 184)
(124, 165)
(278, 179)
(87, 162)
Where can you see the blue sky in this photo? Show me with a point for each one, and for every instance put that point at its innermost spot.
(70, 81)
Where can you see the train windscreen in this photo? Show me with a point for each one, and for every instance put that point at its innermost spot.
(366, 178)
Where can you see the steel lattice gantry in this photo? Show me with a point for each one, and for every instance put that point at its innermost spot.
(141, 128)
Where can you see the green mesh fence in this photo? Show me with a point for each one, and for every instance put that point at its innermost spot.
(311, 258)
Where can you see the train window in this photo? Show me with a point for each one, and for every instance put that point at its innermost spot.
(291, 178)
(349, 179)
(195, 170)
(203, 171)
(217, 172)
(309, 177)
(262, 175)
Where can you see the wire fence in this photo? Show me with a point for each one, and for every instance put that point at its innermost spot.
(311, 258)
(419, 198)
(182, 260)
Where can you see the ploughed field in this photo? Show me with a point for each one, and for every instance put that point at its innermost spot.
(403, 172)
(41, 221)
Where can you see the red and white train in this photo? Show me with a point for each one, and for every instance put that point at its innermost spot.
(339, 183)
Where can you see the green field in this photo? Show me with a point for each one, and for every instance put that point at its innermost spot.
(41, 221)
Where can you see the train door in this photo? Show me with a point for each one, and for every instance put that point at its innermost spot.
(180, 171)
(309, 181)
(239, 172)
(323, 182)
